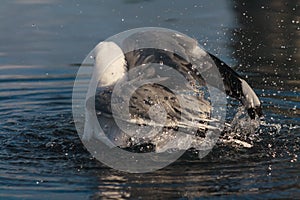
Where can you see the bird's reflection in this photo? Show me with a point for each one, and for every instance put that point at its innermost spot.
(186, 178)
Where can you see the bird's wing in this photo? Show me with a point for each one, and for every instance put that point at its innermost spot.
(156, 105)
(184, 54)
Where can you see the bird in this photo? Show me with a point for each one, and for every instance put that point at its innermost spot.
(153, 111)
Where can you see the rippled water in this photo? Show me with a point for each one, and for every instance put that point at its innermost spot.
(43, 42)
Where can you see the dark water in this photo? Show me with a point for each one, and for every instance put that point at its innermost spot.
(42, 41)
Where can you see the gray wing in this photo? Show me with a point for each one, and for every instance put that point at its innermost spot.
(161, 39)
(191, 111)
(183, 54)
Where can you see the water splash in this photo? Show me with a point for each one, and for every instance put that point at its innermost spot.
(242, 131)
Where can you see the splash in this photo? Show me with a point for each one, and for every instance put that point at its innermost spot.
(242, 131)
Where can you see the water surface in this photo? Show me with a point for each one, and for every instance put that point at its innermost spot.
(43, 42)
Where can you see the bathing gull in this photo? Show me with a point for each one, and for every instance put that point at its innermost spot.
(156, 101)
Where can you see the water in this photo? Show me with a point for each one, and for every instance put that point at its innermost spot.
(43, 42)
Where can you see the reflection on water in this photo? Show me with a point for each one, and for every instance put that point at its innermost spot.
(267, 42)
(41, 155)
(267, 48)
(224, 174)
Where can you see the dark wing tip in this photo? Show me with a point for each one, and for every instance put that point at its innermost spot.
(252, 112)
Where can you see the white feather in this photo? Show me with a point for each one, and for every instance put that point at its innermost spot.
(110, 63)
(109, 67)
(250, 100)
